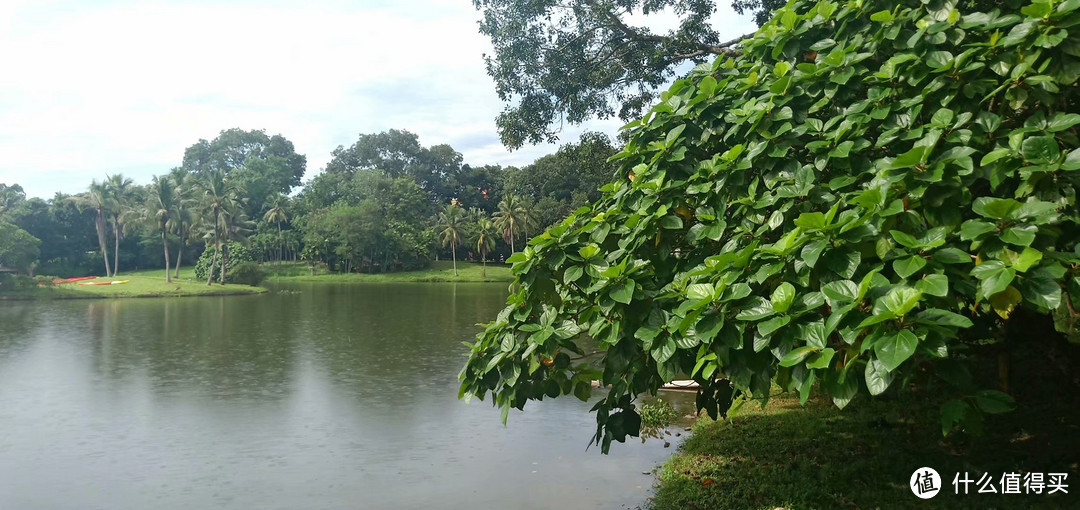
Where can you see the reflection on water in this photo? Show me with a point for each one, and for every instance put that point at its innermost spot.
(337, 396)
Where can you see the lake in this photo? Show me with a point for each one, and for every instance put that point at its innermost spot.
(321, 397)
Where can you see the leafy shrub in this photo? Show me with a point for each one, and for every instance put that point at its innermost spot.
(246, 273)
(865, 191)
(237, 255)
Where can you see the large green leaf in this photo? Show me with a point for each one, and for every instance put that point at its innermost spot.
(895, 349)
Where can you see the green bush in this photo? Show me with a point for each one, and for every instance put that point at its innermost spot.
(864, 193)
(237, 255)
(246, 273)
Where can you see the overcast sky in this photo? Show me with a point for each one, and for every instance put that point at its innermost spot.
(95, 87)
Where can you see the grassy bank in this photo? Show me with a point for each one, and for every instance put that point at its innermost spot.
(141, 284)
(439, 271)
(816, 456)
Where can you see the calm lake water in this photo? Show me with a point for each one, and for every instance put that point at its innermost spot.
(337, 396)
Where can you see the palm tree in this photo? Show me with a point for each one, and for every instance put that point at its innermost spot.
(186, 218)
(511, 218)
(118, 191)
(452, 223)
(276, 214)
(96, 198)
(161, 212)
(219, 199)
(485, 241)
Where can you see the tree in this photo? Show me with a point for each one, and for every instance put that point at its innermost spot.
(185, 207)
(571, 60)
(832, 228)
(97, 199)
(220, 202)
(10, 197)
(119, 192)
(18, 249)
(485, 241)
(452, 225)
(512, 218)
(161, 212)
(276, 214)
(258, 165)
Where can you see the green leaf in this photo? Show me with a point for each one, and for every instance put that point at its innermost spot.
(910, 158)
(757, 309)
(908, 266)
(840, 292)
(901, 300)
(664, 351)
(939, 317)
(623, 292)
(905, 239)
(996, 208)
(893, 350)
(972, 229)
(572, 274)
(768, 327)
(700, 291)
(1072, 160)
(934, 285)
(796, 356)
(953, 255)
(782, 297)
(588, 251)
(1003, 303)
(1061, 121)
(1020, 235)
(994, 277)
(811, 221)
(1040, 149)
(671, 222)
(1027, 258)
(953, 412)
(939, 60)
(820, 359)
(878, 378)
(994, 402)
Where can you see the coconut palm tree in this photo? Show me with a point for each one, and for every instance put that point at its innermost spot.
(219, 199)
(277, 214)
(160, 211)
(452, 223)
(119, 193)
(511, 218)
(186, 217)
(96, 198)
(485, 241)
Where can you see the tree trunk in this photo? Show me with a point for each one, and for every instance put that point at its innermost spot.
(99, 224)
(116, 245)
(224, 259)
(165, 242)
(453, 253)
(483, 259)
(280, 245)
(179, 253)
(213, 264)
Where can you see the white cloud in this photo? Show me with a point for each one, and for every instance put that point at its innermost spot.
(125, 86)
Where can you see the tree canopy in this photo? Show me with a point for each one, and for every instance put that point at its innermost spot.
(561, 61)
(864, 196)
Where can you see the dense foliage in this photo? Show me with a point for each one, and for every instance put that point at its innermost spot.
(862, 197)
(375, 208)
(559, 61)
(237, 256)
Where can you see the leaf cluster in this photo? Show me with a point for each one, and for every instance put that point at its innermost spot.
(866, 190)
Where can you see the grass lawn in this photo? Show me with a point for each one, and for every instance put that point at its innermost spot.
(142, 284)
(816, 456)
(439, 271)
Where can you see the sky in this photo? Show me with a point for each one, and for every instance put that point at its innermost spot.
(90, 88)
